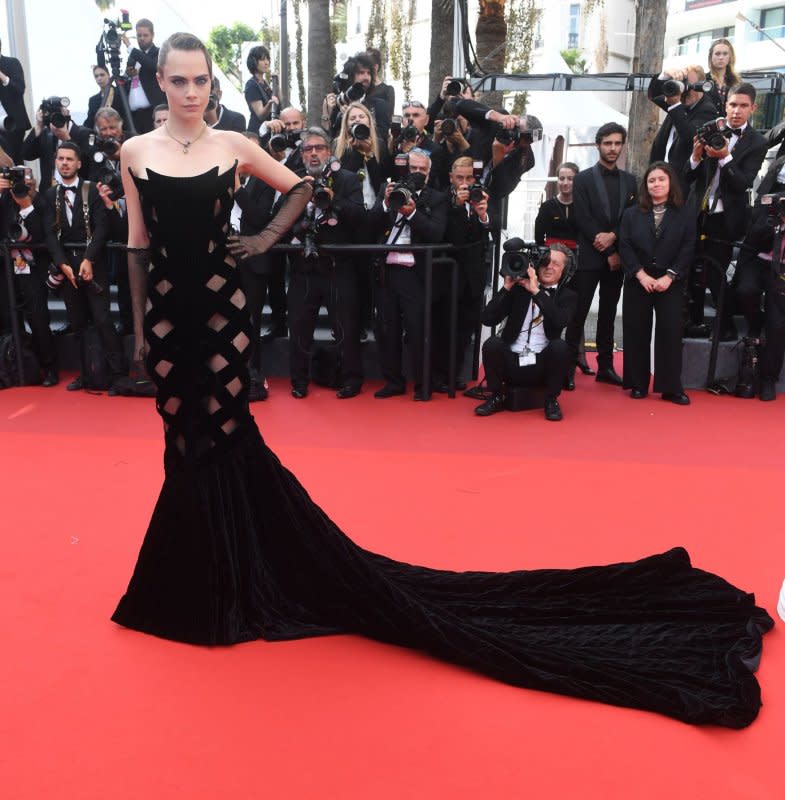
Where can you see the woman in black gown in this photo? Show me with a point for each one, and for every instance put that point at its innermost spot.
(236, 549)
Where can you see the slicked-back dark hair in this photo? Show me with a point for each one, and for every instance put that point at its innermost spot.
(187, 42)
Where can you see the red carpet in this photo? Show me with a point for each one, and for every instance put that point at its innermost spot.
(91, 710)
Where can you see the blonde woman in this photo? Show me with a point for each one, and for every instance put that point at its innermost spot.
(722, 71)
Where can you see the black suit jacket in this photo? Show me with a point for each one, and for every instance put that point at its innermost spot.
(670, 247)
(12, 96)
(376, 171)
(471, 236)
(256, 203)
(97, 101)
(594, 215)
(148, 66)
(766, 186)
(427, 225)
(557, 310)
(75, 232)
(231, 121)
(34, 221)
(44, 147)
(736, 178)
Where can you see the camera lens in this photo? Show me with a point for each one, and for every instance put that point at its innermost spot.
(360, 132)
(448, 127)
(454, 87)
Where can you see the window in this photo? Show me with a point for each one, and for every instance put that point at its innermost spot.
(699, 43)
(772, 21)
(572, 33)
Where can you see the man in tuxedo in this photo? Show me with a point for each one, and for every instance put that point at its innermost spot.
(12, 104)
(686, 112)
(85, 289)
(219, 116)
(600, 195)
(400, 296)
(333, 217)
(144, 92)
(530, 351)
(720, 179)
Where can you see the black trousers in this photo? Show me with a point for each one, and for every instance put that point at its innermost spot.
(639, 308)
(308, 292)
(32, 297)
(276, 290)
(83, 305)
(118, 267)
(400, 306)
(501, 367)
(143, 119)
(711, 264)
(255, 286)
(585, 283)
(756, 280)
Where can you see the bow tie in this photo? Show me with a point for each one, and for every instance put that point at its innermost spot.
(73, 188)
(736, 131)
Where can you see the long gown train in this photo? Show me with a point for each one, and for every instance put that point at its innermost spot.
(237, 550)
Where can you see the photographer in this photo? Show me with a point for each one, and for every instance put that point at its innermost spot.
(218, 116)
(688, 107)
(413, 134)
(12, 105)
(144, 93)
(721, 169)
(355, 84)
(258, 93)
(759, 275)
(452, 132)
(381, 89)
(333, 216)
(452, 89)
(530, 351)
(601, 194)
(468, 224)
(108, 96)
(409, 212)
(53, 125)
(22, 219)
(160, 115)
(74, 212)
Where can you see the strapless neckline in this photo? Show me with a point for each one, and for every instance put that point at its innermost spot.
(210, 172)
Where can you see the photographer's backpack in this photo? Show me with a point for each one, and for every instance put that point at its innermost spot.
(9, 370)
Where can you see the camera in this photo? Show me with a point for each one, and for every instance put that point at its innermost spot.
(360, 132)
(476, 193)
(110, 40)
(54, 278)
(103, 147)
(52, 111)
(284, 140)
(404, 190)
(714, 133)
(671, 88)
(115, 183)
(17, 177)
(516, 135)
(7, 123)
(454, 87)
(395, 126)
(449, 126)
(775, 208)
(410, 133)
(19, 233)
(519, 256)
(321, 196)
(345, 88)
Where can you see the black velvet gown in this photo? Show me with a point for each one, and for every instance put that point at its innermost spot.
(236, 549)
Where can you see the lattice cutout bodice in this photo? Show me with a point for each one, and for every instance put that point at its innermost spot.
(196, 324)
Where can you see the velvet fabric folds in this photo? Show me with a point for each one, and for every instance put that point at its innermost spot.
(237, 550)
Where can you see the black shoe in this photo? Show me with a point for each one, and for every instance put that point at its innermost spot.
(299, 391)
(389, 390)
(491, 406)
(680, 399)
(609, 375)
(276, 332)
(638, 394)
(76, 384)
(697, 331)
(345, 392)
(583, 366)
(553, 410)
(746, 391)
(768, 391)
(569, 381)
(51, 378)
(478, 392)
(442, 387)
(419, 394)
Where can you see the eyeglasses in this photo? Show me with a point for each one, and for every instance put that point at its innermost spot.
(412, 104)
(314, 148)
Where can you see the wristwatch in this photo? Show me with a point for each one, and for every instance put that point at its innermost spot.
(674, 275)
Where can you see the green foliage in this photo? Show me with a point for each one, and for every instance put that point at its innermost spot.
(396, 46)
(406, 50)
(338, 20)
(225, 46)
(376, 35)
(522, 18)
(104, 5)
(298, 56)
(575, 60)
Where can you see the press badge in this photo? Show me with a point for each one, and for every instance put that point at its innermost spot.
(527, 358)
(21, 267)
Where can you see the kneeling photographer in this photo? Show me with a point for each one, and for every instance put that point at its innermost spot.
(760, 272)
(334, 215)
(22, 220)
(537, 305)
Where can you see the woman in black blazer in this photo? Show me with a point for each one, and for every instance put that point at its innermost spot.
(656, 244)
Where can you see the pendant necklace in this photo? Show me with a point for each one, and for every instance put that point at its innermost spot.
(188, 142)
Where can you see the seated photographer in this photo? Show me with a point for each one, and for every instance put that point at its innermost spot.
(681, 93)
(219, 116)
(22, 220)
(334, 216)
(413, 134)
(467, 228)
(555, 222)
(409, 212)
(537, 306)
(108, 96)
(656, 244)
(53, 125)
(355, 84)
(759, 277)
(721, 170)
(74, 212)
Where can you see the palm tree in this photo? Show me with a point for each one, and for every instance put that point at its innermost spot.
(442, 12)
(491, 33)
(104, 5)
(321, 57)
